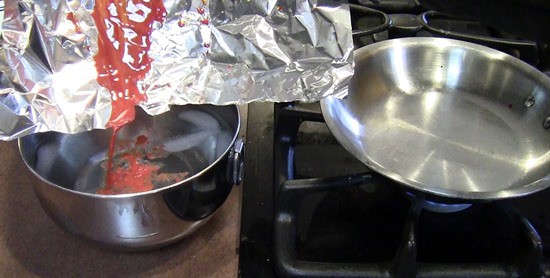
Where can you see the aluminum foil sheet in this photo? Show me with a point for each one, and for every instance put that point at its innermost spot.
(216, 52)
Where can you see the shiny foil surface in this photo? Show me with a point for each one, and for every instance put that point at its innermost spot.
(215, 52)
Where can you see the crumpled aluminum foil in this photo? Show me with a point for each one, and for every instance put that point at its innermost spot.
(217, 52)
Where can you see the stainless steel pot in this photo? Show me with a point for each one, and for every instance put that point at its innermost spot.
(447, 117)
(202, 140)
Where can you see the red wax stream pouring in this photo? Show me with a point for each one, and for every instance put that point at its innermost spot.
(124, 28)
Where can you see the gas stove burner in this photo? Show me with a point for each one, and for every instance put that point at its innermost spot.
(444, 208)
(438, 207)
(311, 209)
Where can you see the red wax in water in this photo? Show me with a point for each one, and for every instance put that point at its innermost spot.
(135, 176)
(134, 172)
(141, 140)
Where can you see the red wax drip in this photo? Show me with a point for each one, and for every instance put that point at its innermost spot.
(124, 28)
(71, 18)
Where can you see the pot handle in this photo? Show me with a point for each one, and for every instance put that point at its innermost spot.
(236, 162)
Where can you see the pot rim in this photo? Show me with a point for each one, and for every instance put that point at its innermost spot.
(140, 194)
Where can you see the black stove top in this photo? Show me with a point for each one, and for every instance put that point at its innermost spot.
(311, 209)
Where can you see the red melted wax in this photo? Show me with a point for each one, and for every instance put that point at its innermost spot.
(124, 28)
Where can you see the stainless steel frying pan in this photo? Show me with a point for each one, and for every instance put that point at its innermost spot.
(447, 117)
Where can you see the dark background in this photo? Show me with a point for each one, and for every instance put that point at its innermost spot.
(528, 19)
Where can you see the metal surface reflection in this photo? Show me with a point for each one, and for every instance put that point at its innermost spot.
(70, 173)
(398, 63)
(454, 67)
(447, 117)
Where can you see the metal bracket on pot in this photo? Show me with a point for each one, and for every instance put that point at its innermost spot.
(235, 163)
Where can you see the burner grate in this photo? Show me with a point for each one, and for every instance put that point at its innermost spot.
(486, 240)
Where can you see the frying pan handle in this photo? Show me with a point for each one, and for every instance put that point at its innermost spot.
(382, 25)
(522, 49)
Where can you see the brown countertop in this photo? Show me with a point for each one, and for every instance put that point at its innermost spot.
(32, 245)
